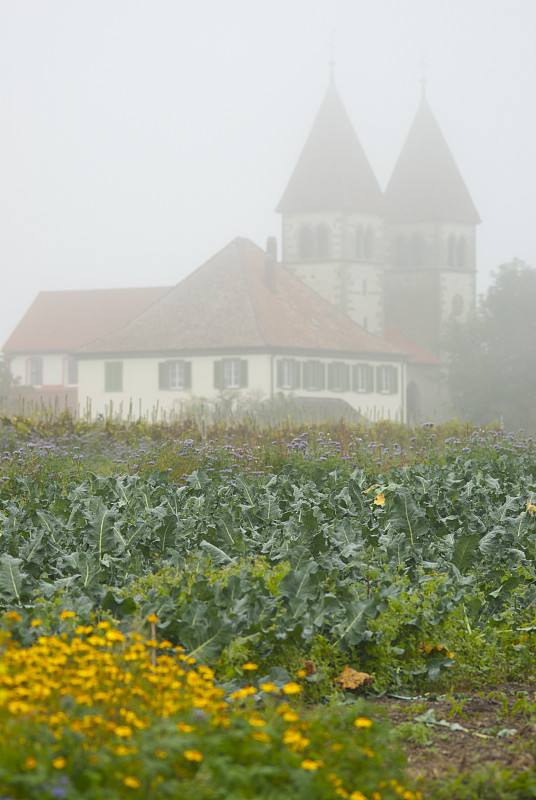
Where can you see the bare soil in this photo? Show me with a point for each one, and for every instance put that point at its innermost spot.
(500, 725)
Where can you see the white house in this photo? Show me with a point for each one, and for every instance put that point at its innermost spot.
(241, 323)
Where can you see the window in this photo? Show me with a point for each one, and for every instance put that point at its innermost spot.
(461, 252)
(70, 374)
(369, 244)
(231, 373)
(338, 376)
(387, 379)
(417, 250)
(113, 376)
(362, 378)
(359, 242)
(288, 374)
(313, 376)
(35, 372)
(322, 241)
(400, 251)
(306, 244)
(451, 251)
(174, 375)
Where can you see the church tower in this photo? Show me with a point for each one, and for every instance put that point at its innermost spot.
(430, 237)
(332, 221)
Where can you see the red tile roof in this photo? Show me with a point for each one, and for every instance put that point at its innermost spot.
(227, 304)
(64, 321)
(426, 185)
(418, 354)
(332, 172)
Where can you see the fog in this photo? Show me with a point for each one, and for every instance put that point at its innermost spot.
(138, 137)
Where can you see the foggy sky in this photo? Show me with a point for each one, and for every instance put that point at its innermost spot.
(139, 137)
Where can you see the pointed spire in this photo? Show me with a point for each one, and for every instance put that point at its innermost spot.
(426, 185)
(332, 172)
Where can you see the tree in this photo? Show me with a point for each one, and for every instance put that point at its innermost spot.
(492, 356)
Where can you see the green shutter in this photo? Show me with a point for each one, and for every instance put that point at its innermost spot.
(243, 374)
(369, 379)
(331, 375)
(345, 377)
(280, 374)
(218, 374)
(322, 371)
(296, 375)
(378, 379)
(393, 386)
(163, 375)
(187, 374)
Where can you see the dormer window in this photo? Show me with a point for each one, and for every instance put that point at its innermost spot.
(306, 242)
(369, 244)
(323, 249)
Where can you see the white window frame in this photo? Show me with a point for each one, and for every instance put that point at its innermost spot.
(231, 373)
(287, 373)
(35, 370)
(70, 364)
(176, 375)
(385, 380)
(361, 375)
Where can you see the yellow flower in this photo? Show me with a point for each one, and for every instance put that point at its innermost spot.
(35, 623)
(357, 795)
(292, 688)
(249, 665)
(160, 753)
(310, 764)
(183, 727)
(268, 687)
(132, 782)
(152, 618)
(531, 508)
(59, 762)
(30, 762)
(14, 616)
(290, 716)
(260, 736)
(193, 755)
(301, 673)
(257, 722)
(363, 722)
(123, 731)
(67, 614)
(379, 500)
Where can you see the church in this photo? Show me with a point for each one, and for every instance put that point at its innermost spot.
(354, 308)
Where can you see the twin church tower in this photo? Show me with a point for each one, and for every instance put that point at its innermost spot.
(403, 258)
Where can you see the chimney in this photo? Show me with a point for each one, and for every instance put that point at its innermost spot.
(270, 262)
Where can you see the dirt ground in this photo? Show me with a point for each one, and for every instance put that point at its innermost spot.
(495, 727)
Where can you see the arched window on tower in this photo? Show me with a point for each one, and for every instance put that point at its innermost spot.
(451, 251)
(306, 243)
(417, 250)
(368, 243)
(400, 251)
(359, 242)
(461, 252)
(323, 249)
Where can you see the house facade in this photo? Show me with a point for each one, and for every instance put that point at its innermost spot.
(241, 325)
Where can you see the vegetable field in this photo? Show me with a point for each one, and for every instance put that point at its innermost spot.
(235, 616)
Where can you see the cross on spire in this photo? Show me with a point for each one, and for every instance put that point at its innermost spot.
(331, 62)
(423, 74)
